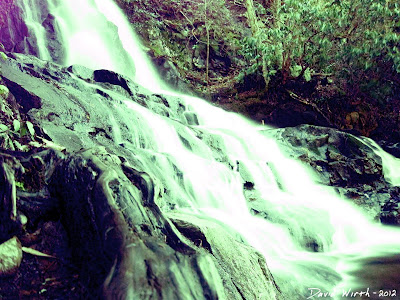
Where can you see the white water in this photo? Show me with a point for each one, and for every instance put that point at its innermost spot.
(31, 17)
(391, 164)
(298, 209)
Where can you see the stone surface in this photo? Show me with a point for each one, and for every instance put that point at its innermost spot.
(17, 37)
(13, 32)
(123, 242)
(239, 264)
(346, 162)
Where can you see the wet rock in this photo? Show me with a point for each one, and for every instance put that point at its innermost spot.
(81, 71)
(111, 77)
(345, 158)
(391, 209)
(108, 243)
(346, 162)
(26, 99)
(17, 36)
(232, 257)
(10, 257)
(14, 37)
(56, 49)
(392, 148)
(133, 253)
(169, 73)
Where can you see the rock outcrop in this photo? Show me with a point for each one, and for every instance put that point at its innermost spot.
(344, 161)
(14, 32)
(126, 242)
(17, 36)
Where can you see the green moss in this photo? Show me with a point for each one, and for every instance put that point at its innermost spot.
(314, 149)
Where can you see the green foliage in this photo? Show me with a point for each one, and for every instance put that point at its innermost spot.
(16, 125)
(10, 138)
(301, 38)
(197, 36)
(20, 185)
(4, 91)
(19, 129)
(30, 129)
(3, 128)
(211, 14)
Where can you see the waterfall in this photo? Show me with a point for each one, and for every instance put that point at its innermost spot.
(33, 20)
(202, 156)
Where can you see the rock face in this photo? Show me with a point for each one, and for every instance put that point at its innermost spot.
(170, 74)
(134, 253)
(17, 36)
(14, 32)
(125, 236)
(346, 162)
(231, 262)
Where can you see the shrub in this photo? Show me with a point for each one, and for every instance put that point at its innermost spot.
(304, 38)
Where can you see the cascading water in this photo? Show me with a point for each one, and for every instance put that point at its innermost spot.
(202, 156)
(32, 18)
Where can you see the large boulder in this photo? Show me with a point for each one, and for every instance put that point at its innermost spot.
(346, 162)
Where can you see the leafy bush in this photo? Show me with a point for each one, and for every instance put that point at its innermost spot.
(302, 38)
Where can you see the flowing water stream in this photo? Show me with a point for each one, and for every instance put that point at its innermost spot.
(202, 163)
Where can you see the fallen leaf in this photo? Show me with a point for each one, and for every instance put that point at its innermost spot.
(36, 252)
(10, 256)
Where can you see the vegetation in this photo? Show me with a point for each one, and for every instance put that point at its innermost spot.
(338, 59)
(15, 133)
(354, 40)
(201, 38)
